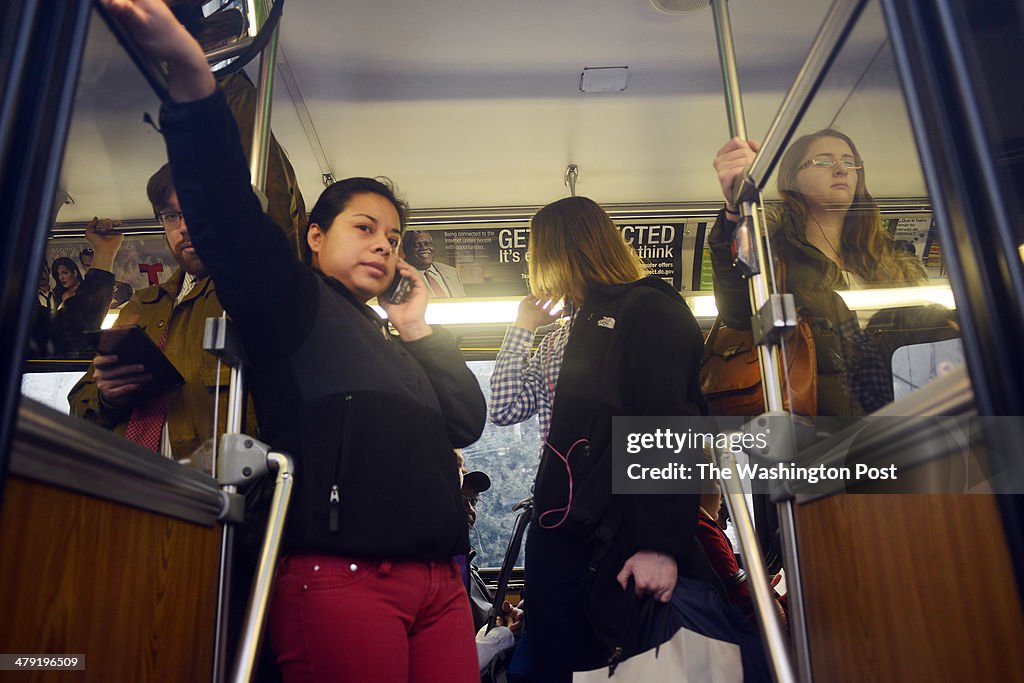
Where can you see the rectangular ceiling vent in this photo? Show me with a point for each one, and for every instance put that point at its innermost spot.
(604, 79)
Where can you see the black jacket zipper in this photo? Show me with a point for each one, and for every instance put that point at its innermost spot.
(334, 497)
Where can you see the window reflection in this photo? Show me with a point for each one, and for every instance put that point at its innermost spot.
(509, 456)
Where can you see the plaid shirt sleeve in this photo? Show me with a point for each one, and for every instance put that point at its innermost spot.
(517, 381)
(868, 376)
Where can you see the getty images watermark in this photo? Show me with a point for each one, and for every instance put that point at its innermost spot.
(818, 456)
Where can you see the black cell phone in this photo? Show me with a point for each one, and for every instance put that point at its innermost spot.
(398, 291)
(132, 347)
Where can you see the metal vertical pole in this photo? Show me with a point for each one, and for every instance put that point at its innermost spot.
(730, 77)
(759, 290)
(256, 611)
(764, 602)
(791, 561)
(236, 394)
(264, 97)
(771, 382)
(768, 355)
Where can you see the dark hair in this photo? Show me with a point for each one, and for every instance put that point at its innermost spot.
(160, 188)
(86, 252)
(337, 196)
(71, 266)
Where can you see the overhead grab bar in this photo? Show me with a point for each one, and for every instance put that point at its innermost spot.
(258, 24)
(730, 77)
(750, 249)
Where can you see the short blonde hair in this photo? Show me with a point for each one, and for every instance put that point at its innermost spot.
(575, 245)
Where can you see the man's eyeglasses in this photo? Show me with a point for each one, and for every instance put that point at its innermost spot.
(170, 218)
(472, 500)
(849, 163)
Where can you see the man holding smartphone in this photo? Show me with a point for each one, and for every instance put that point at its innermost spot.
(122, 396)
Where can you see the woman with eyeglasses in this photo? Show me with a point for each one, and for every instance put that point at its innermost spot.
(827, 234)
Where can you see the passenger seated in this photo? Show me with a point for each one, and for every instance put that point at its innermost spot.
(721, 555)
(480, 596)
(502, 638)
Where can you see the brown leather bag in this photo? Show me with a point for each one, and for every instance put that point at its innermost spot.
(730, 374)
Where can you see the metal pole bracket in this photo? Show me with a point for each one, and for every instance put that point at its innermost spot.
(243, 459)
(221, 338)
(774, 320)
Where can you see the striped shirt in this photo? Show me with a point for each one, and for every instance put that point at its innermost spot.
(523, 385)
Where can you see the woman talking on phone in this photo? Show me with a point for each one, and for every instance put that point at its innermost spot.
(367, 589)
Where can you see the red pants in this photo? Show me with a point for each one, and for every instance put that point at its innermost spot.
(341, 619)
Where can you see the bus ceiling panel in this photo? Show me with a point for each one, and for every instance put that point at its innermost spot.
(484, 108)
(473, 107)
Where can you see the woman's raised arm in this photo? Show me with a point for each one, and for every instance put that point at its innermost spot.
(157, 31)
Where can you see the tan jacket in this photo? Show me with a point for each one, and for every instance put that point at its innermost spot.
(285, 205)
(190, 406)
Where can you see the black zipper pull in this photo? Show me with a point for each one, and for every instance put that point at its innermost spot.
(334, 502)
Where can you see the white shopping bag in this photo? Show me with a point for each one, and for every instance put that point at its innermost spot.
(688, 657)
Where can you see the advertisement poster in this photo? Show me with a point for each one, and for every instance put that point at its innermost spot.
(70, 302)
(912, 232)
(494, 260)
(140, 262)
(915, 233)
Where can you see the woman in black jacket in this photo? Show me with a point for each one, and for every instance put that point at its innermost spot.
(828, 232)
(633, 350)
(367, 589)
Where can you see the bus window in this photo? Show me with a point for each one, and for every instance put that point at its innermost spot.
(118, 255)
(852, 224)
(508, 455)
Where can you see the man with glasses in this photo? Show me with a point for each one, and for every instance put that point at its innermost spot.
(173, 421)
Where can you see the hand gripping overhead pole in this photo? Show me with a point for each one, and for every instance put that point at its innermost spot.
(749, 251)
